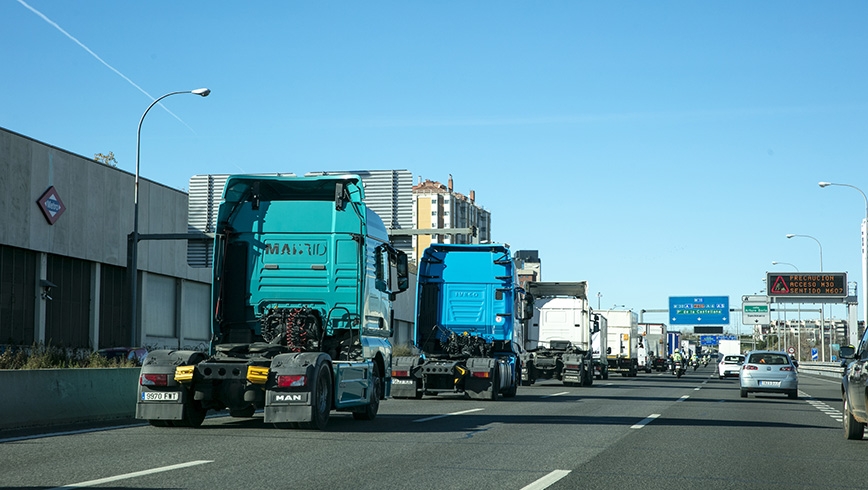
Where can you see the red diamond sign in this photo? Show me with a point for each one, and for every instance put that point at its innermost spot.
(51, 205)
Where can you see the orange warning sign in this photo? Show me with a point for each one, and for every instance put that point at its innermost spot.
(808, 284)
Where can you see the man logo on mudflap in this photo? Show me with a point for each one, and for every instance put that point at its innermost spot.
(295, 397)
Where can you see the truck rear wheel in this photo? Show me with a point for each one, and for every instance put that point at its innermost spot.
(193, 414)
(495, 384)
(513, 389)
(371, 409)
(321, 399)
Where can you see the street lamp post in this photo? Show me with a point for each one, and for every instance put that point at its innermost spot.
(822, 305)
(864, 251)
(799, 306)
(134, 236)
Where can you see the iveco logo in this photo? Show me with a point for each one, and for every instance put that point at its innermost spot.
(467, 294)
(294, 397)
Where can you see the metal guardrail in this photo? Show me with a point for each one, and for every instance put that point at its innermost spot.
(822, 368)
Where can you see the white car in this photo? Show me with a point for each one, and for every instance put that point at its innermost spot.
(729, 366)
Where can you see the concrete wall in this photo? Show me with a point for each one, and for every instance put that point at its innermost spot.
(45, 397)
(99, 215)
(99, 209)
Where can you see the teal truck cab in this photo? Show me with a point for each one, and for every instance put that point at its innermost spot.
(303, 283)
(469, 310)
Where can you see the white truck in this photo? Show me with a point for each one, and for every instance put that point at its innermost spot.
(728, 347)
(652, 347)
(600, 342)
(558, 337)
(623, 341)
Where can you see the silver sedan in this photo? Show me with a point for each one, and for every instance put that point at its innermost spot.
(766, 371)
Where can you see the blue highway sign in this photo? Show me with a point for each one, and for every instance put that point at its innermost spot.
(699, 310)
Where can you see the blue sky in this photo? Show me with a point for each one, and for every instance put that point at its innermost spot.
(654, 149)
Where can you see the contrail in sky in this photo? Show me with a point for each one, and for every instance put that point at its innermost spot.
(110, 67)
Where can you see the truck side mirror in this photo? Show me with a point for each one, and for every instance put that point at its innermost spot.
(403, 271)
(527, 307)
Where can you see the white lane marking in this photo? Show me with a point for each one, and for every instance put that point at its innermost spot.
(682, 398)
(134, 474)
(547, 480)
(557, 394)
(426, 419)
(697, 388)
(645, 421)
(836, 414)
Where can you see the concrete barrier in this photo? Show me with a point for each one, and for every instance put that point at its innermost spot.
(44, 397)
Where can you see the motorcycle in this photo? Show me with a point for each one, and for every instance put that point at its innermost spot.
(695, 364)
(678, 368)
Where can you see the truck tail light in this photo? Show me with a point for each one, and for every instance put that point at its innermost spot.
(400, 374)
(480, 374)
(291, 380)
(153, 379)
(571, 366)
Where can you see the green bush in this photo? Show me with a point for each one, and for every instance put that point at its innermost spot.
(41, 356)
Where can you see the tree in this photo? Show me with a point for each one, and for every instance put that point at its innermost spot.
(106, 159)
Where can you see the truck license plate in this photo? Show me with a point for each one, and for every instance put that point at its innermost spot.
(160, 396)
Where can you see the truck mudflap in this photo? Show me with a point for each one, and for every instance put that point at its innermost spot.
(406, 377)
(482, 378)
(163, 400)
(299, 389)
(577, 370)
(488, 378)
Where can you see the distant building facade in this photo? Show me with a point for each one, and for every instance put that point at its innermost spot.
(528, 267)
(445, 216)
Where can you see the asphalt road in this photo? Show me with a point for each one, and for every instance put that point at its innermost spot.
(651, 431)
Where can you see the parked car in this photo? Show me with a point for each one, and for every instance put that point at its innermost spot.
(768, 371)
(135, 354)
(729, 366)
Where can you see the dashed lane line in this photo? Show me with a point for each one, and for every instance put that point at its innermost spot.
(836, 414)
(547, 480)
(136, 474)
(556, 394)
(426, 419)
(647, 420)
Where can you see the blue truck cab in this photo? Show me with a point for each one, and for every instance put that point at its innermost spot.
(303, 282)
(469, 310)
